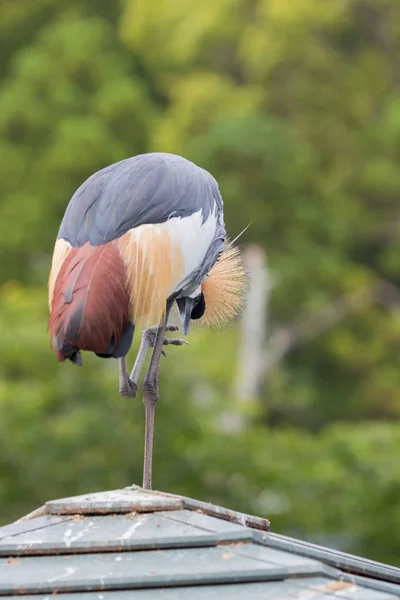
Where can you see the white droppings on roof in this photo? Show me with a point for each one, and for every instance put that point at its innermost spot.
(128, 533)
(68, 571)
(69, 538)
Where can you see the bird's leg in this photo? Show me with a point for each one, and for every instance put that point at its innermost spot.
(150, 398)
(124, 383)
(128, 385)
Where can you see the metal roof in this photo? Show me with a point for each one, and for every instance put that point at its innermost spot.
(133, 543)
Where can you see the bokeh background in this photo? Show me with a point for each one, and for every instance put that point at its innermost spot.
(294, 106)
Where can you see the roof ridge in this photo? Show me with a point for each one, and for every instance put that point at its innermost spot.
(214, 510)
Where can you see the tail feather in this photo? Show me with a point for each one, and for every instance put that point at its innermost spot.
(90, 303)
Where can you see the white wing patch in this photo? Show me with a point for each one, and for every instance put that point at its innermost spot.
(160, 259)
(194, 239)
(61, 250)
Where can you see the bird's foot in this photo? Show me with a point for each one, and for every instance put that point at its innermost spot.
(128, 385)
(149, 336)
(128, 389)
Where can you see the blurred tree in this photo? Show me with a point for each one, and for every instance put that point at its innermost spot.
(288, 107)
(295, 108)
(70, 104)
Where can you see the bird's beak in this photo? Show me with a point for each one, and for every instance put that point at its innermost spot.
(185, 307)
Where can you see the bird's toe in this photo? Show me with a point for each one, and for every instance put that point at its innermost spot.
(128, 389)
(175, 342)
(150, 335)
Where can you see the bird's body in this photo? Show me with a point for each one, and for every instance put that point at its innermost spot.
(137, 237)
(134, 234)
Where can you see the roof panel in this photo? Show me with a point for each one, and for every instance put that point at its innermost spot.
(94, 534)
(29, 525)
(132, 569)
(227, 530)
(346, 590)
(295, 565)
(294, 589)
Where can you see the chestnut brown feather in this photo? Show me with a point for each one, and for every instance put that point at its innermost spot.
(90, 304)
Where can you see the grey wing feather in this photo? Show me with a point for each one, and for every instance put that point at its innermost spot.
(145, 189)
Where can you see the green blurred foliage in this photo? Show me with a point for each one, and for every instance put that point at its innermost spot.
(295, 108)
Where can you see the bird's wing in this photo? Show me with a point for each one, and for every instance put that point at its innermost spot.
(145, 189)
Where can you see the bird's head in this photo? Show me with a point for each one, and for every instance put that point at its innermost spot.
(220, 297)
(191, 307)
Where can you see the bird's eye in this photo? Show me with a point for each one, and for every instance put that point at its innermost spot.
(199, 308)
